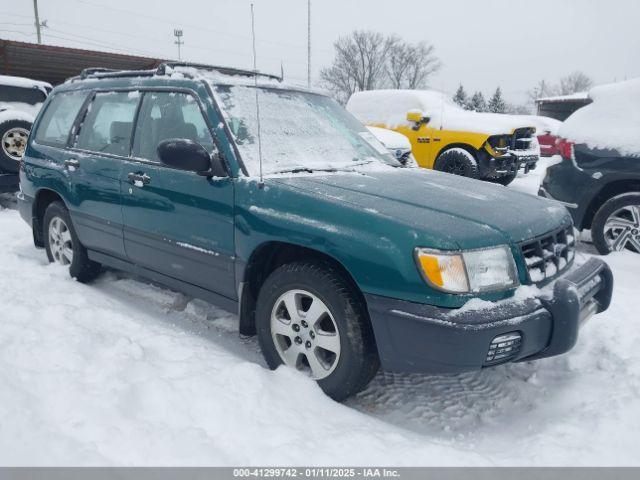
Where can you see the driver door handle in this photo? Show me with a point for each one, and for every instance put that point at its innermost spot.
(139, 179)
(72, 164)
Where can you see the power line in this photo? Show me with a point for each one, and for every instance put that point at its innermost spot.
(169, 21)
(86, 41)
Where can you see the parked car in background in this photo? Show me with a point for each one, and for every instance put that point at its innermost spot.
(338, 258)
(397, 144)
(20, 100)
(546, 133)
(448, 138)
(599, 179)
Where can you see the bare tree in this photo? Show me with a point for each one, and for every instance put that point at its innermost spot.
(360, 64)
(423, 63)
(400, 58)
(574, 82)
(541, 89)
(369, 60)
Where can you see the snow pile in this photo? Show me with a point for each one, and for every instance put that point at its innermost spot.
(612, 121)
(390, 107)
(125, 373)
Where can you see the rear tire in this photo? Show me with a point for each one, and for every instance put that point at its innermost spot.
(616, 225)
(457, 161)
(62, 244)
(13, 141)
(306, 288)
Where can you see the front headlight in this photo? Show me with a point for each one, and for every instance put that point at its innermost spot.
(468, 271)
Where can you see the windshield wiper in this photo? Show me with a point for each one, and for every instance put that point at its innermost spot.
(306, 170)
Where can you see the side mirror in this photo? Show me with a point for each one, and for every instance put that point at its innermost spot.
(188, 155)
(418, 118)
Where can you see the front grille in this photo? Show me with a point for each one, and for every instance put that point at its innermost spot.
(549, 255)
(522, 139)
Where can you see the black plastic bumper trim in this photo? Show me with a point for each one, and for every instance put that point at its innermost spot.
(413, 337)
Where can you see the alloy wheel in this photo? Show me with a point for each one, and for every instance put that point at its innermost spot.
(60, 242)
(305, 333)
(14, 143)
(622, 229)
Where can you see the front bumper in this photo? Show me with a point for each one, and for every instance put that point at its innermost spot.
(414, 337)
(510, 163)
(527, 162)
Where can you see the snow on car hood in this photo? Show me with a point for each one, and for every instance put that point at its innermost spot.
(390, 107)
(390, 139)
(612, 121)
(465, 211)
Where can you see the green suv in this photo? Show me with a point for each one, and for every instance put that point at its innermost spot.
(273, 202)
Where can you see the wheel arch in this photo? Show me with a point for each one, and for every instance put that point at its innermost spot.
(465, 146)
(605, 194)
(43, 198)
(264, 259)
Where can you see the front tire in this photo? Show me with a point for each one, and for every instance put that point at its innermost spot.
(310, 318)
(457, 161)
(62, 244)
(616, 225)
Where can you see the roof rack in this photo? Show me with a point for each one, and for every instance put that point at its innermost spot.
(162, 69)
(100, 72)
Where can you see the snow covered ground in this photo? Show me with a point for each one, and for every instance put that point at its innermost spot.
(122, 372)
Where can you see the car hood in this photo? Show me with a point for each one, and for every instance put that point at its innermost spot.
(390, 139)
(465, 213)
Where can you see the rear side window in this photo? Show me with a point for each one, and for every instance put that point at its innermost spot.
(165, 115)
(108, 124)
(31, 96)
(58, 118)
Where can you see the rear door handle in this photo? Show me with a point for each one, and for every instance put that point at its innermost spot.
(139, 179)
(72, 164)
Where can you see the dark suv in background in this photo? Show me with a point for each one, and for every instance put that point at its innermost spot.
(599, 177)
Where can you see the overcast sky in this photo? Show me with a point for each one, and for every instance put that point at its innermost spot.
(482, 43)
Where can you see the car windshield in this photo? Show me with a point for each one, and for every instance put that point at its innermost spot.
(300, 131)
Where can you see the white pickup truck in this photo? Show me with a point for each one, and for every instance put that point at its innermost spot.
(20, 101)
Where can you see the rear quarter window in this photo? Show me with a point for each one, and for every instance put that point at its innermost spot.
(58, 118)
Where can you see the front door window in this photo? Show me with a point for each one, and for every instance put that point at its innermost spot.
(166, 115)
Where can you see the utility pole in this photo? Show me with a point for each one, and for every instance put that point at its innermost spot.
(178, 34)
(309, 43)
(35, 10)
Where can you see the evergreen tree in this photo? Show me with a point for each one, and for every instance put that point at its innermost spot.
(497, 103)
(478, 103)
(461, 97)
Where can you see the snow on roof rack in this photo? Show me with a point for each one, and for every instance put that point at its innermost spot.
(162, 70)
(100, 72)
